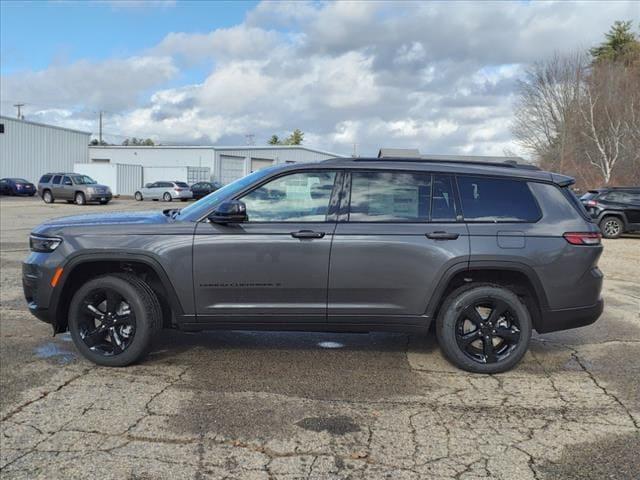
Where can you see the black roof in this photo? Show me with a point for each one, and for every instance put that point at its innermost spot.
(459, 166)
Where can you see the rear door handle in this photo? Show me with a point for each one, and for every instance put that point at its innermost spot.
(307, 234)
(442, 236)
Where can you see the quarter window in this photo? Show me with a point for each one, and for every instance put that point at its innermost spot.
(299, 197)
(487, 199)
(389, 197)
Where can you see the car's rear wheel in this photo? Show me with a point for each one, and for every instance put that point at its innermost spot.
(47, 196)
(484, 328)
(80, 198)
(113, 319)
(138, 196)
(611, 227)
(167, 197)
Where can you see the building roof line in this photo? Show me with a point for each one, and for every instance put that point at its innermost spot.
(218, 147)
(18, 120)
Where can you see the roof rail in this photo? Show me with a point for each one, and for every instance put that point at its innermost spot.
(506, 164)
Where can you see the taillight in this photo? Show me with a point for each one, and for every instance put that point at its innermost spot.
(591, 203)
(583, 238)
(178, 189)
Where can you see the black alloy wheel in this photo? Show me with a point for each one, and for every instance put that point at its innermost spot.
(484, 328)
(488, 331)
(113, 319)
(107, 325)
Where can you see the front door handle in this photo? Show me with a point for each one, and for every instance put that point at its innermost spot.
(307, 234)
(442, 236)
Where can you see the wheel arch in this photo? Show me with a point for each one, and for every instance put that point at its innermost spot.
(518, 277)
(82, 267)
(613, 213)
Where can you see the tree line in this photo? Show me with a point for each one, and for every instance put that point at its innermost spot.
(579, 113)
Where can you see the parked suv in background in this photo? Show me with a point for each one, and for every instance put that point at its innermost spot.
(165, 191)
(72, 187)
(487, 251)
(616, 210)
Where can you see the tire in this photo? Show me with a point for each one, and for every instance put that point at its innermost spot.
(80, 199)
(167, 197)
(454, 328)
(47, 196)
(611, 227)
(138, 196)
(143, 305)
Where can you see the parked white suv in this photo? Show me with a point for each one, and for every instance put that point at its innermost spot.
(165, 191)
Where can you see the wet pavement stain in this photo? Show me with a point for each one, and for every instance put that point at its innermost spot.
(613, 458)
(59, 353)
(339, 425)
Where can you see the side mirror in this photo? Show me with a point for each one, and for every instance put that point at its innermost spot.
(232, 211)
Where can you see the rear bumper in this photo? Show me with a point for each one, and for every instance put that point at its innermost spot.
(567, 318)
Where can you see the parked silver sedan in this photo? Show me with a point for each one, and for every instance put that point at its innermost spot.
(165, 191)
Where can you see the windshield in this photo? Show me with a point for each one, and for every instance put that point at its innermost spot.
(83, 180)
(197, 210)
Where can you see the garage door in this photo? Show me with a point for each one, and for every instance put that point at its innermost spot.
(260, 163)
(231, 168)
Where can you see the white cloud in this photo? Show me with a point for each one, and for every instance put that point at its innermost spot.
(435, 76)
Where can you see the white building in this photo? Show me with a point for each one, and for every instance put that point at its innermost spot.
(224, 164)
(30, 149)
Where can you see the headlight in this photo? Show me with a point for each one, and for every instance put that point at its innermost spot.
(43, 244)
(91, 190)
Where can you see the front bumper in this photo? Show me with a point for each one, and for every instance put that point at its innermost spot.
(567, 318)
(37, 291)
(99, 197)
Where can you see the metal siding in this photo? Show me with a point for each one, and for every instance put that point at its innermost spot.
(129, 178)
(231, 168)
(167, 174)
(28, 150)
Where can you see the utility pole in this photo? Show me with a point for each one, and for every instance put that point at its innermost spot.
(19, 107)
(100, 135)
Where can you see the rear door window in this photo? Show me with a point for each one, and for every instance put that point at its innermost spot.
(56, 180)
(390, 197)
(486, 199)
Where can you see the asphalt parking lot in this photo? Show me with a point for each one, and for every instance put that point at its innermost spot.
(251, 405)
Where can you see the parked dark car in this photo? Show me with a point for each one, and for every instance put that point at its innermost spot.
(17, 186)
(488, 252)
(202, 189)
(616, 210)
(72, 187)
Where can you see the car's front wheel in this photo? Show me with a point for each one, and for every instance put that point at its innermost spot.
(113, 319)
(611, 227)
(80, 198)
(484, 328)
(138, 196)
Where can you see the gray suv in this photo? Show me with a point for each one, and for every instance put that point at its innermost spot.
(489, 252)
(72, 187)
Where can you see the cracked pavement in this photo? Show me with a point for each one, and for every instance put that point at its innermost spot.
(252, 405)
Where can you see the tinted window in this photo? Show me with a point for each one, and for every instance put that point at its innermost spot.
(45, 179)
(66, 181)
(299, 197)
(56, 179)
(622, 197)
(182, 185)
(497, 200)
(443, 207)
(389, 197)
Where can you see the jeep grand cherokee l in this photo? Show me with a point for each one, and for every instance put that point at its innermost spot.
(488, 252)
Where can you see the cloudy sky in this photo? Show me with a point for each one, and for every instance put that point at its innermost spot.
(438, 76)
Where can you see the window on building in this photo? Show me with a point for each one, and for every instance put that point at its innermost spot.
(389, 197)
(486, 199)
